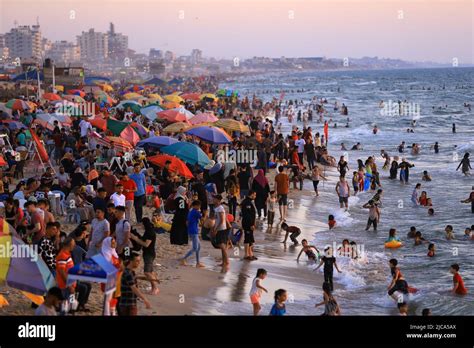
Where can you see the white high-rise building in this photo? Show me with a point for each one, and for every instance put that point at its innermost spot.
(25, 42)
(117, 44)
(94, 46)
(64, 52)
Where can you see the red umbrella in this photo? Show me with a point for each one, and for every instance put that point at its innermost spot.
(76, 92)
(172, 116)
(191, 96)
(51, 96)
(204, 117)
(176, 165)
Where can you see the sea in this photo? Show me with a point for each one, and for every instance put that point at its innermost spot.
(439, 97)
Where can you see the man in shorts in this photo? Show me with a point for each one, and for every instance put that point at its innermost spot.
(343, 191)
(282, 186)
(220, 233)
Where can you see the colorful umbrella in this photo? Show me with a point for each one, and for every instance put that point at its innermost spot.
(105, 98)
(135, 88)
(173, 98)
(208, 96)
(17, 104)
(203, 118)
(211, 134)
(191, 96)
(155, 96)
(97, 122)
(20, 266)
(173, 116)
(232, 125)
(134, 96)
(150, 111)
(176, 164)
(105, 87)
(59, 88)
(189, 153)
(14, 125)
(157, 141)
(171, 105)
(51, 96)
(176, 127)
(182, 110)
(77, 92)
(118, 143)
(140, 129)
(74, 98)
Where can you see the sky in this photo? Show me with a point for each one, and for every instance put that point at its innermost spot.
(414, 30)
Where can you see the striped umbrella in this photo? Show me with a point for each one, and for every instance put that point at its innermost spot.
(118, 143)
(17, 104)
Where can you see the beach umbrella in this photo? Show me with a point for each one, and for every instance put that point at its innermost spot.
(173, 116)
(189, 153)
(51, 96)
(176, 165)
(155, 96)
(17, 104)
(176, 127)
(98, 122)
(105, 87)
(124, 103)
(76, 92)
(150, 111)
(175, 81)
(103, 97)
(170, 105)
(232, 125)
(5, 110)
(173, 98)
(210, 134)
(140, 129)
(157, 141)
(22, 268)
(59, 88)
(74, 98)
(208, 96)
(3, 163)
(182, 110)
(191, 96)
(132, 95)
(123, 130)
(134, 107)
(135, 88)
(50, 118)
(12, 124)
(204, 117)
(118, 143)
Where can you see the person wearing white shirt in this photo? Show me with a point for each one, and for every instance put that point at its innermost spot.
(300, 143)
(118, 198)
(85, 127)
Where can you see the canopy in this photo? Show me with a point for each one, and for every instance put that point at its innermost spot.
(232, 125)
(20, 265)
(96, 269)
(203, 118)
(176, 164)
(211, 134)
(118, 143)
(173, 116)
(189, 153)
(155, 81)
(31, 75)
(176, 127)
(157, 141)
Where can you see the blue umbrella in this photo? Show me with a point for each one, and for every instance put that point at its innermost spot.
(211, 134)
(157, 141)
(150, 111)
(189, 153)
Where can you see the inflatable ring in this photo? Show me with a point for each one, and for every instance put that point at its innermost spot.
(393, 244)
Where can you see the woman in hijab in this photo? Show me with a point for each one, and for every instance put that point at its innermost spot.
(179, 231)
(262, 188)
(77, 178)
(108, 251)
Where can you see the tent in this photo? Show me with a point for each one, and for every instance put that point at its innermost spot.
(31, 75)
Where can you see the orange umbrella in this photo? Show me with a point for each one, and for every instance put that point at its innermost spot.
(100, 123)
(191, 96)
(172, 116)
(51, 96)
(176, 165)
(171, 105)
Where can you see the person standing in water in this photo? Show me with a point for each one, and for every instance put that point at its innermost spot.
(316, 177)
(415, 196)
(257, 289)
(329, 262)
(405, 170)
(470, 200)
(398, 287)
(343, 191)
(465, 163)
(331, 307)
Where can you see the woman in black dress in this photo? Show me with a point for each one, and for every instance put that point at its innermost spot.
(179, 231)
(262, 189)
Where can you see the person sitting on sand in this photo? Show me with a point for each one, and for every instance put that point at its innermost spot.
(308, 250)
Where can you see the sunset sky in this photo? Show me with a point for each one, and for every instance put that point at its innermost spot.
(429, 30)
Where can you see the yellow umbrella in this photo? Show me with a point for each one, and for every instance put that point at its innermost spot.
(132, 95)
(208, 96)
(176, 127)
(105, 87)
(173, 98)
(232, 125)
(59, 88)
(155, 97)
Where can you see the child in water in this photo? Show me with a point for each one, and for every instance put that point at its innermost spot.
(458, 283)
(355, 182)
(426, 176)
(271, 203)
(279, 308)
(467, 233)
(419, 238)
(331, 222)
(423, 198)
(392, 236)
(307, 249)
(256, 290)
(449, 232)
(431, 250)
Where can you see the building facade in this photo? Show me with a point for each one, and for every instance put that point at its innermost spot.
(25, 42)
(94, 46)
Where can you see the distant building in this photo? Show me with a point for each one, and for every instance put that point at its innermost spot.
(117, 45)
(156, 54)
(4, 50)
(169, 56)
(196, 57)
(94, 46)
(64, 52)
(24, 42)
(67, 76)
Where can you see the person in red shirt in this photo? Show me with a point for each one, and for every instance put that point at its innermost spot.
(458, 283)
(129, 188)
(37, 228)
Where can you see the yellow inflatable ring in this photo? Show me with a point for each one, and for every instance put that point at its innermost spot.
(393, 244)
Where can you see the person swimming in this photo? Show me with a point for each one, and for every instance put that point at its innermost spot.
(431, 250)
(392, 236)
(308, 250)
